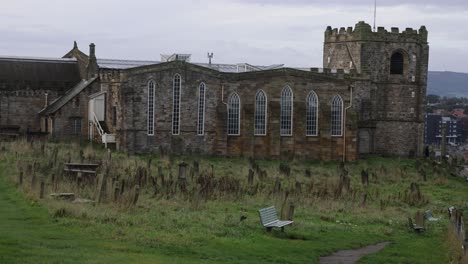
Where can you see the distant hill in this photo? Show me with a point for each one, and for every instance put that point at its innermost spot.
(451, 84)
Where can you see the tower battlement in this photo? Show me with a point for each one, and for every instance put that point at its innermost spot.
(363, 32)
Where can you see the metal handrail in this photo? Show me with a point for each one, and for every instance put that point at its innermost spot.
(98, 126)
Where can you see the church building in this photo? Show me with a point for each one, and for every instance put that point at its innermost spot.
(367, 98)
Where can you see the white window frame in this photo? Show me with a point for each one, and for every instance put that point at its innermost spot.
(151, 85)
(286, 88)
(312, 94)
(176, 130)
(201, 125)
(265, 120)
(238, 115)
(341, 117)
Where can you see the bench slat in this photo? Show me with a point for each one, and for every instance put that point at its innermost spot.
(82, 171)
(279, 224)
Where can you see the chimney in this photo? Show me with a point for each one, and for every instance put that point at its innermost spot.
(46, 100)
(92, 63)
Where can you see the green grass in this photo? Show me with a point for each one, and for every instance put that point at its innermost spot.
(179, 229)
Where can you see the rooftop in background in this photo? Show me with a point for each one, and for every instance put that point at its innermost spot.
(36, 59)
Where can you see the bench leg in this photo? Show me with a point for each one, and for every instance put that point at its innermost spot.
(268, 229)
(282, 229)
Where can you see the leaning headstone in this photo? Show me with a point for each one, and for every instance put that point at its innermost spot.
(20, 179)
(136, 194)
(291, 211)
(41, 191)
(250, 177)
(102, 186)
(365, 177)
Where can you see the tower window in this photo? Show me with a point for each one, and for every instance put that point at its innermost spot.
(234, 115)
(397, 63)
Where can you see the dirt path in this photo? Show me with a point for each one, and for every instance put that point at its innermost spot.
(351, 256)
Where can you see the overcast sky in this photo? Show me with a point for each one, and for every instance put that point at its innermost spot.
(259, 32)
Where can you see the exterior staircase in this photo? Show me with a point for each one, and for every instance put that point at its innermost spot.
(103, 131)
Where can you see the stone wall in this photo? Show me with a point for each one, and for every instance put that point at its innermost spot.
(76, 108)
(219, 87)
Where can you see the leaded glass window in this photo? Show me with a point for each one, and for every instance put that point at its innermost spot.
(286, 114)
(234, 115)
(201, 109)
(337, 116)
(312, 114)
(260, 115)
(176, 87)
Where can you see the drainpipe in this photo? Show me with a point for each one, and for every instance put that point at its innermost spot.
(222, 94)
(344, 121)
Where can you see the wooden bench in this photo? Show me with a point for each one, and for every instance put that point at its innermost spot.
(269, 219)
(86, 170)
(418, 226)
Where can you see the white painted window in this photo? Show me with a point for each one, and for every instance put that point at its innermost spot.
(176, 87)
(201, 109)
(286, 112)
(151, 87)
(312, 114)
(337, 116)
(234, 115)
(76, 126)
(260, 115)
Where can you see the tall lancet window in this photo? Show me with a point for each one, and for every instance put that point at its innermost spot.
(176, 87)
(233, 115)
(260, 115)
(312, 114)
(201, 109)
(337, 116)
(151, 87)
(286, 113)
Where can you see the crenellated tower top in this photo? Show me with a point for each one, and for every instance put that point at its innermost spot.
(363, 32)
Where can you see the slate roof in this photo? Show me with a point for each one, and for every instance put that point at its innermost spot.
(233, 68)
(38, 73)
(61, 101)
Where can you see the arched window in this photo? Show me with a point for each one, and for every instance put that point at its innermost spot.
(201, 109)
(312, 114)
(397, 63)
(286, 114)
(337, 116)
(176, 86)
(234, 115)
(150, 113)
(260, 115)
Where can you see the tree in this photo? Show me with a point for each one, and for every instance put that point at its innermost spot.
(433, 99)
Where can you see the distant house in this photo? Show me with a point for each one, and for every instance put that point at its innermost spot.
(458, 113)
(433, 129)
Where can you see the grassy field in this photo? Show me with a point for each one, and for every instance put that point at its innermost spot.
(201, 223)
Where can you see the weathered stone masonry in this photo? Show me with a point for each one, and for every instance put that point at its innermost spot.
(385, 72)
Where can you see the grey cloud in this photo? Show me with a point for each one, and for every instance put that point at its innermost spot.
(447, 3)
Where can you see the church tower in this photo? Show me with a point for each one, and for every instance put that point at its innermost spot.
(390, 72)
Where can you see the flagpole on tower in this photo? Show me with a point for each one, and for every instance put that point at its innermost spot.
(375, 12)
